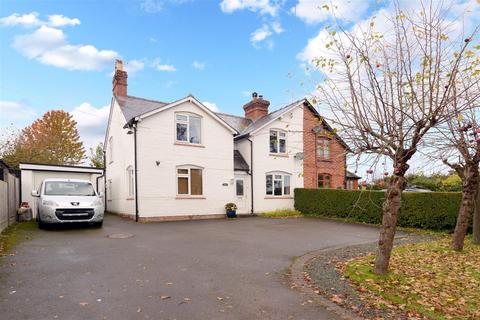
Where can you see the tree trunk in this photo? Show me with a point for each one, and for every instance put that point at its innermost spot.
(469, 191)
(391, 208)
(476, 218)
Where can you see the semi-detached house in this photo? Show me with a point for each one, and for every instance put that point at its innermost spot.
(181, 160)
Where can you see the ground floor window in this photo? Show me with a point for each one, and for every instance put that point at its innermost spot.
(350, 184)
(189, 181)
(130, 182)
(278, 184)
(324, 180)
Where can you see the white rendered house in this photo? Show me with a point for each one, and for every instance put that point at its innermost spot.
(180, 160)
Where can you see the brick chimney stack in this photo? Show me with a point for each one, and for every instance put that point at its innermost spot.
(256, 108)
(119, 81)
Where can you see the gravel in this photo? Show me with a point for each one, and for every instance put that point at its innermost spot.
(322, 275)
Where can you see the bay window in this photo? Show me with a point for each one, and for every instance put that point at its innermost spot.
(188, 128)
(277, 185)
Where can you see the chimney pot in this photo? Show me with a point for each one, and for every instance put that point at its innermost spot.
(256, 108)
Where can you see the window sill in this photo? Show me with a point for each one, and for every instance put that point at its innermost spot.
(190, 197)
(110, 162)
(278, 197)
(130, 199)
(324, 160)
(187, 144)
(283, 155)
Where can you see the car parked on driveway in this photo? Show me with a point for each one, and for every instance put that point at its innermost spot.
(62, 201)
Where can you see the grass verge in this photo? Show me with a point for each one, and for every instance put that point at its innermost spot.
(14, 234)
(426, 279)
(281, 213)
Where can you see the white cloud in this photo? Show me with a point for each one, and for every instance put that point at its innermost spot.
(152, 6)
(48, 45)
(318, 11)
(11, 110)
(133, 66)
(264, 32)
(261, 6)
(31, 19)
(198, 65)
(38, 42)
(28, 19)
(210, 105)
(58, 20)
(91, 123)
(162, 66)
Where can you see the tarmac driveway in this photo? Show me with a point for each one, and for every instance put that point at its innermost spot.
(216, 269)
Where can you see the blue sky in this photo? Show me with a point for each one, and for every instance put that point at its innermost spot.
(220, 51)
(60, 54)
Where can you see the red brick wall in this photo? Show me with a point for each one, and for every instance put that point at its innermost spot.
(312, 166)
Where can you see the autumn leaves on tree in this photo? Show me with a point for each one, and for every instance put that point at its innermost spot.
(52, 139)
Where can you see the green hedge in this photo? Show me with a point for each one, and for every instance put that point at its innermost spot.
(429, 210)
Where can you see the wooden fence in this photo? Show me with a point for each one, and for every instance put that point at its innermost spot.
(9, 200)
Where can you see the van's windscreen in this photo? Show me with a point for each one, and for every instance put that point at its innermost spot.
(66, 188)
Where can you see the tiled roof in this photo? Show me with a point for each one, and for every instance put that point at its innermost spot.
(352, 175)
(133, 106)
(236, 122)
(239, 162)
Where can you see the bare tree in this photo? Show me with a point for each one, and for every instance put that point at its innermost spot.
(458, 144)
(388, 88)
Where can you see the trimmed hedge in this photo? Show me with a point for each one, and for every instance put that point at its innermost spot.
(429, 210)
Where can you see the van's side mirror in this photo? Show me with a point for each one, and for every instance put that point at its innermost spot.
(35, 193)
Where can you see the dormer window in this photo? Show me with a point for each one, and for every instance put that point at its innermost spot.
(188, 128)
(278, 141)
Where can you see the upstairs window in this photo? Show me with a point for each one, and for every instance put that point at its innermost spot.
(188, 128)
(278, 141)
(189, 181)
(324, 180)
(323, 148)
(278, 185)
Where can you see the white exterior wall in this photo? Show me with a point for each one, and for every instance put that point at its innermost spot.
(118, 200)
(157, 185)
(264, 162)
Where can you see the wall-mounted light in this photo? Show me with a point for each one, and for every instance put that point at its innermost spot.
(157, 162)
(129, 132)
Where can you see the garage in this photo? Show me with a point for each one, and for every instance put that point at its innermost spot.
(32, 175)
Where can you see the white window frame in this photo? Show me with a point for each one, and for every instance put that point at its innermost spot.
(279, 176)
(130, 182)
(324, 141)
(279, 132)
(189, 177)
(187, 122)
(243, 187)
(110, 149)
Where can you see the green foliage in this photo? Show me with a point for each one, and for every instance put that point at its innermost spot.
(96, 156)
(436, 182)
(429, 210)
(281, 213)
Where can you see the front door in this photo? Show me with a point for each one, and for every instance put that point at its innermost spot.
(241, 193)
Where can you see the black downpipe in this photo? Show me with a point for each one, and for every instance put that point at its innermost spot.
(251, 173)
(105, 180)
(135, 163)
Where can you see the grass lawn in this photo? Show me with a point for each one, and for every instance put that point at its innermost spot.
(426, 279)
(15, 233)
(281, 213)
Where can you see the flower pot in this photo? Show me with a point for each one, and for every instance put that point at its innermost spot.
(231, 213)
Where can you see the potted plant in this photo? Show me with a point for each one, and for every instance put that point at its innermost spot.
(231, 209)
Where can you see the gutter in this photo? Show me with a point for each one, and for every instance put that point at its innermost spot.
(251, 175)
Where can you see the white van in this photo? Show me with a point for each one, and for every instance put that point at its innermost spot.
(62, 201)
